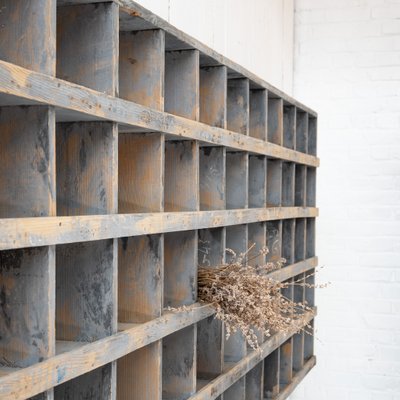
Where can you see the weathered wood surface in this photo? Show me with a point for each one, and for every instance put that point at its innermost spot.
(257, 181)
(141, 67)
(213, 96)
(271, 374)
(134, 13)
(255, 383)
(275, 121)
(239, 369)
(289, 126)
(258, 119)
(86, 357)
(301, 131)
(238, 103)
(89, 33)
(182, 83)
(297, 378)
(28, 34)
(51, 372)
(312, 136)
(21, 86)
(274, 183)
(237, 180)
(30, 232)
(288, 184)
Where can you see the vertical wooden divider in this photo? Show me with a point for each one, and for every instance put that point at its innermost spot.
(271, 374)
(258, 125)
(212, 242)
(237, 184)
(312, 136)
(257, 231)
(299, 291)
(181, 248)
(140, 189)
(289, 126)
(87, 184)
(28, 189)
(275, 120)
(301, 131)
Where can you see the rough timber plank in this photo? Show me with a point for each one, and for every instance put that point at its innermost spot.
(87, 272)
(271, 374)
(238, 104)
(213, 96)
(274, 183)
(27, 176)
(94, 62)
(141, 67)
(137, 14)
(27, 382)
(301, 131)
(30, 232)
(237, 180)
(236, 347)
(239, 369)
(289, 126)
(257, 181)
(30, 25)
(312, 136)
(297, 378)
(275, 121)
(21, 86)
(89, 356)
(182, 83)
(258, 114)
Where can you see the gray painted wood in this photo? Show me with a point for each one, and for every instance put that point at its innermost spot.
(181, 191)
(141, 67)
(301, 131)
(309, 342)
(87, 45)
(289, 126)
(257, 181)
(182, 83)
(275, 121)
(300, 186)
(312, 135)
(285, 364)
(86, 290)
(271, 374)
(300, 240)
(212, 177)
(28, 34)
(274, 240)
(256, 236)
(236, 180)
(258, 124)
(74, 102)
(274, 183)
(255, 383)
(311, 187)
(238, 104)
(235, 347)
(213, 96)
(288, 184)
(288, 238)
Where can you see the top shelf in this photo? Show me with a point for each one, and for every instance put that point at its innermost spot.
(134, 17)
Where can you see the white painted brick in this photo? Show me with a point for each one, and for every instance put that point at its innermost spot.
(356, 91)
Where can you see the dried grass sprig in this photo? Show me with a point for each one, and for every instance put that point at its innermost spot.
(247, 299)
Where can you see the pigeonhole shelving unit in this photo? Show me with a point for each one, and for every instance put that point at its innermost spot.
(131, 153)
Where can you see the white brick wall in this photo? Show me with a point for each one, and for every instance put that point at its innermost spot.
(347, 67)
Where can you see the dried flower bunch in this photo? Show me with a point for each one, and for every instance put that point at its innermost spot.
(246, 299)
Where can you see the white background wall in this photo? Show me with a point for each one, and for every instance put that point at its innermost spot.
(347, 67)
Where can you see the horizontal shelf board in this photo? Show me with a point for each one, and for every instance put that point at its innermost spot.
(297, 378)
(63, 367)
(45, 231)
(76, 358)
(292, 270)
(78, 102)
(218, 385)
